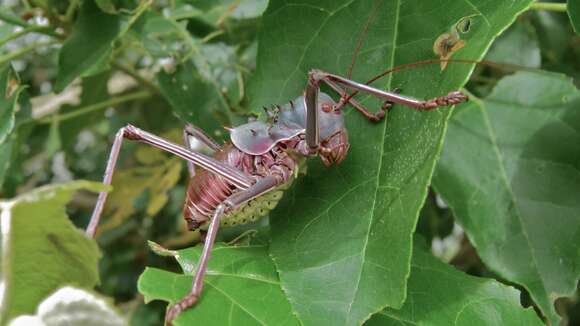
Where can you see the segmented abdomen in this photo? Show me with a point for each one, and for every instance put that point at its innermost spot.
(207, 190)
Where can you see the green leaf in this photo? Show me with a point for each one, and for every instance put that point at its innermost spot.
(10, 88)
(441, 295)
(341, 238)
(241, 288)
(215, 12)
(161, 36)
(41, 249)
(114, 6)
(5, 157)
(89, 47)
(510, 172)
(518, 45)
(193, 98)
(574, 13)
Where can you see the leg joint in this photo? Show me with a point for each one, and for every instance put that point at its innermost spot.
(315, 75)
(131, 132)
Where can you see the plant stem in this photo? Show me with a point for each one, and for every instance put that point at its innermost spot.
(31, 47)
(17, 35)
(558, 7)
(70, 11)
(96, 107)
(143, 6)
(18, 22)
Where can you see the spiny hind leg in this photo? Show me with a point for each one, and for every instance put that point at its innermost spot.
(261, 187)
(233, 175)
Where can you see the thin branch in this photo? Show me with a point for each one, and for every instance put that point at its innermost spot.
(550, 6)
(95, 107)
(46, 30)
(70, 11)
(20, 33)
(22, 51)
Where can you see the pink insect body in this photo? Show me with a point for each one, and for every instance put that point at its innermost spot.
(265, 149)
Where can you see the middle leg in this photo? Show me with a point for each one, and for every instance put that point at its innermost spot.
(190, 131)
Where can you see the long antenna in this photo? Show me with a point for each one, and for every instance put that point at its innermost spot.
(362, 37)
(506, 66)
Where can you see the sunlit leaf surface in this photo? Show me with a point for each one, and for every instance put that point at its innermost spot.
(502, 161)
(341, 238)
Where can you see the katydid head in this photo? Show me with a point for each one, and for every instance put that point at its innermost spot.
(334, 149)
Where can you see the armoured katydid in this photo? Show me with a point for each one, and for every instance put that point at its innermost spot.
(245, 178)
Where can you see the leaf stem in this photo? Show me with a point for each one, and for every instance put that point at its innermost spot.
(46, 30)
(31, 47)
(20, 33)
(96, 107)
(70, 11)
(558, 7)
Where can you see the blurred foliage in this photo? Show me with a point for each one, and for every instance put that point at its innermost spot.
(73, 72)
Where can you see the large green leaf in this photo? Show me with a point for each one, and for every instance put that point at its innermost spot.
(342, 236)
(89, 45)
(510, 172)
(192, 97)
(241, 288)
(441, 295)
(41, 249)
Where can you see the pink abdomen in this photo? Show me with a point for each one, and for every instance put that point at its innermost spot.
(207, 190)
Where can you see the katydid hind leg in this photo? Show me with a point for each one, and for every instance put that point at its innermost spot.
(130, 132)
(261, 187)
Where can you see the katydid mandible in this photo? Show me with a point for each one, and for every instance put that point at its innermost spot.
(245, 178)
